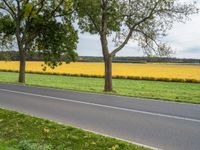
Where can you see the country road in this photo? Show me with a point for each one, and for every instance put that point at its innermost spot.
(159, 124)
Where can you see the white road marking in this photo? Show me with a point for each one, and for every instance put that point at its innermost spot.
(105, 106)
(93, 93)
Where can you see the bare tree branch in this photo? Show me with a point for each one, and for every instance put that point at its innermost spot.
(95, 24)
(11, 11)
(113, 53)
(8, 11)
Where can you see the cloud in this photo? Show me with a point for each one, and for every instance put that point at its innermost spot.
(186, 38)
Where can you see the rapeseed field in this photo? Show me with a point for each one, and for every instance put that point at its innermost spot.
(179, 72)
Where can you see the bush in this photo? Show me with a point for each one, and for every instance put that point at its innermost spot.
(192, 81)
(177, 80)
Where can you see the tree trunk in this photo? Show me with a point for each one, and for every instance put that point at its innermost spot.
(104, 43)
(107, 63)
(108, 74)
(22, 66)
(22, 53)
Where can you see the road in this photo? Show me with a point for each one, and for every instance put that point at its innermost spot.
(159, 124)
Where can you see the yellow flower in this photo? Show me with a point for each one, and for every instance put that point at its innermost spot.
(46, 130)
(125, 70)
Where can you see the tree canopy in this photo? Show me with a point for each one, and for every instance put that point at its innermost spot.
(39, 25)
(142, 21)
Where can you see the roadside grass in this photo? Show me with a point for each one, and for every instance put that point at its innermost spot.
(5, 146)
(170, 91)
(24, 132)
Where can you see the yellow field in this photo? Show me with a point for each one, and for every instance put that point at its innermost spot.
(120, 69)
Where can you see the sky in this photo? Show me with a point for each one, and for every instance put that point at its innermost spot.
(184, 39)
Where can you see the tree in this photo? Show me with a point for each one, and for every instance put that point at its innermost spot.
(42, 26)
(143, 21)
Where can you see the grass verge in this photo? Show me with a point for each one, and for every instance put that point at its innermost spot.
(180, 80)
(5, 146)
(170, 91)
(24, 132)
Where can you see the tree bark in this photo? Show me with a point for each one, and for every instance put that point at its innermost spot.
(107, 64)
(22, 66)
(104, 43)
(108, 74)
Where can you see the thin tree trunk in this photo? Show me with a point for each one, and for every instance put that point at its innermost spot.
(22, 66)
(108, 74)
(104, 43)
(107, 64)
(22, 53)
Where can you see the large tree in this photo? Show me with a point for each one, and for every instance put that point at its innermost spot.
(142, 21)
(42, 26)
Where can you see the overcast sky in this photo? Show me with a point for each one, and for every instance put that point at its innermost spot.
(183, 38)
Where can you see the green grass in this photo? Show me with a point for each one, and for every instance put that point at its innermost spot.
(24, 132)
(5, 146)
(171, 91)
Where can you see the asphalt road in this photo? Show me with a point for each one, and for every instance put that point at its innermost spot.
(164, 125)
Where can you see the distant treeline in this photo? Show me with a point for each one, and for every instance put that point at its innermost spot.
(14, 56)
(140, 60)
